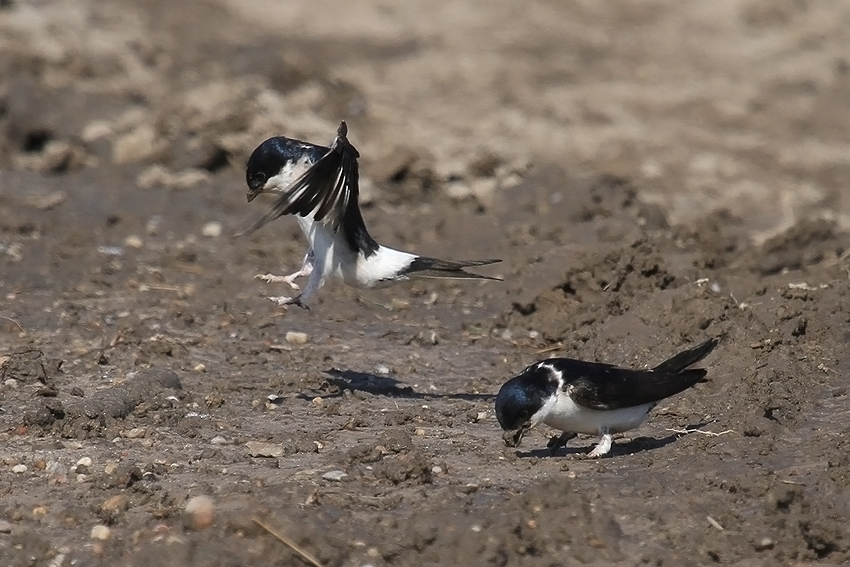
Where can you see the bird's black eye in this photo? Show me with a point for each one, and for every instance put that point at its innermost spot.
(260, 177)
(522, 414)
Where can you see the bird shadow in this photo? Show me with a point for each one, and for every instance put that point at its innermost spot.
(631, 447)
(388, 386)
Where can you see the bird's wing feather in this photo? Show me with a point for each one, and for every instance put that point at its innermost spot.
(330, 191)
(605, 387)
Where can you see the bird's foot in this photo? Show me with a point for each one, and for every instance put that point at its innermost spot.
(271, 278)
(559, 441)
(603, 447)
(284, 301)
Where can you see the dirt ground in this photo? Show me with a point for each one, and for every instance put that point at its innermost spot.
(651, 173)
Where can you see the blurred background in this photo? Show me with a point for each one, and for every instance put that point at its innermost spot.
(738, 104)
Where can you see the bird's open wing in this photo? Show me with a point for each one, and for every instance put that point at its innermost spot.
(329, 190)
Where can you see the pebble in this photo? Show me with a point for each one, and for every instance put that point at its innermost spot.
(19, 469)
(135, 433)
(153, 225)
(212, 229)
(5, 527)
(260, 449)
(100, 532)
(436, 469)
(201, 367)
(296, 338)
(110, 467)
(117, 502)
(218, 440)
(382, 370)
(133, 241)
(11, 383)
(764, 544)
(419, 431)
(201, 511)
(57, 472)
(84, 462)
(334, 475)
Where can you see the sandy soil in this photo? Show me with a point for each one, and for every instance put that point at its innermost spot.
(652, 174)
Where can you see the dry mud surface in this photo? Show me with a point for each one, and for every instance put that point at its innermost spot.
(652, 174)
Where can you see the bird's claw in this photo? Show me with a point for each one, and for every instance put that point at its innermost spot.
(271, 278)
(284, 301)
(559, 441)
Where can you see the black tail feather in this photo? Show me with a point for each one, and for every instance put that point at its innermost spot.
(684, 359)
(423, 267)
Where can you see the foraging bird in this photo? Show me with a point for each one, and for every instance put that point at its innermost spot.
(592, 398)
(320, 186)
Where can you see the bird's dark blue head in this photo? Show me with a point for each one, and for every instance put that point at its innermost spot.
(520, 398)
(278, 156)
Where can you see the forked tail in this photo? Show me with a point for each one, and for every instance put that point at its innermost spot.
(684, 359)
(423, 267)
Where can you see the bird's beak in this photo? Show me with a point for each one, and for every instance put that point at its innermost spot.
(252, 194)
(513, 437)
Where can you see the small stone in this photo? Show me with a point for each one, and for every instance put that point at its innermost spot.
(39, 511)
(153, 225)
(382, 370)
(764, 544)
(5, 527)
(100, 532)
(84, 462)
(296, 338)
(39, 464)
(318, 401)
(399, 304)
(11, 383)
(133, 241)
(19, 469)
(419, 431)
(212, 229)
(116, 503)
(334, 475)
(200, 367)
(135, 433)
(436, 469)
(218, 440)
(201, 511)
(110, 467)
(260, 449)
(55, 467)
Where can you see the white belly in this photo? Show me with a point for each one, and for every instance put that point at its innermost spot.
(334, 258)
(564, 414)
